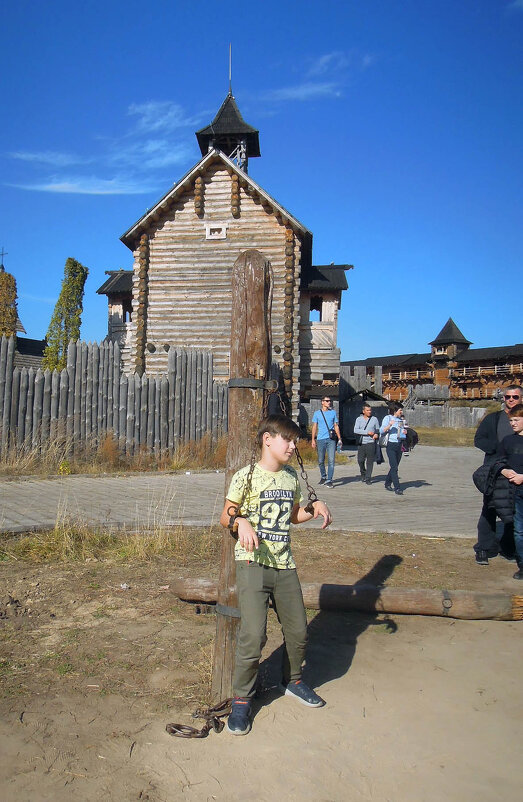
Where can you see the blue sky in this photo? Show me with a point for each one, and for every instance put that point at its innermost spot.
(392, 129)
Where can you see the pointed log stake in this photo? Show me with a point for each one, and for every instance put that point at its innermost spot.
(250, 358)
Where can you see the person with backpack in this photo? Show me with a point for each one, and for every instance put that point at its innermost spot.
(489, 434)
(393, 431)
(366, 428)
(325, 435)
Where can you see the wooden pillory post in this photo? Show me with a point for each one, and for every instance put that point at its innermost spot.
(249, 369)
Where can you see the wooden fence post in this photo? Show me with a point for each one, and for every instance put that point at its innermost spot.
(250, 359)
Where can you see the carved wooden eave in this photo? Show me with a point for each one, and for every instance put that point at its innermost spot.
(132, 236)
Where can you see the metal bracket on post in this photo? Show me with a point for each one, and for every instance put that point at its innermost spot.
(231, 612)
(254, 384)
(446, 602)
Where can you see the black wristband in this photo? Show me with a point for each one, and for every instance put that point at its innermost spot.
(232, 521)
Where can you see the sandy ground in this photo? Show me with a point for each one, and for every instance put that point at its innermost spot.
(418, 709)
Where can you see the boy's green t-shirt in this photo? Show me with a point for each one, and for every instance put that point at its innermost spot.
(268, 507)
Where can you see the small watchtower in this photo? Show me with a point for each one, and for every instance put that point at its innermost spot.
(449, 342)
(230, 133)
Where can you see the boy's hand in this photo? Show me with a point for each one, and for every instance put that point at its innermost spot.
(321, 509)
(517, 479)
(246, 535)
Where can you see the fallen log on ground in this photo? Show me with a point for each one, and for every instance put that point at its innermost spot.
(467, 604)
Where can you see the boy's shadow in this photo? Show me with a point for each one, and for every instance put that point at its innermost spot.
(332, 634)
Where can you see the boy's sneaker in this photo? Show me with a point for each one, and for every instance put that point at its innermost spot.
(519, 573)
(239, 721)
(329, 485)
(300, 691)
(481, 557)
(322, 481)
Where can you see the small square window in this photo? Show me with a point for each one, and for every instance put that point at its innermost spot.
(215, 230)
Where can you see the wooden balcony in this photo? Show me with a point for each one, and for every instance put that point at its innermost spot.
(486, 370)
(318, 335)
(408, 375)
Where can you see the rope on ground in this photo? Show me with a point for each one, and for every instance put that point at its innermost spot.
(213, 721)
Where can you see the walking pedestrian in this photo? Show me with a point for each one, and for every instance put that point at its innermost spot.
(366, 428)
(325, 433)
(489, 434)
(394, 428)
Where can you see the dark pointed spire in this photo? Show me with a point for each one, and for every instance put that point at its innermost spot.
(230, 133)
(450, 335)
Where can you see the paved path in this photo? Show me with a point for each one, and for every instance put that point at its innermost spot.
(439, 497)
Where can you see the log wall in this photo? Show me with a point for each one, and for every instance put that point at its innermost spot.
(92, 397)
(189, 275)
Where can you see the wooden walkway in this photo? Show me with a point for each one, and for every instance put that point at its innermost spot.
(439, 497)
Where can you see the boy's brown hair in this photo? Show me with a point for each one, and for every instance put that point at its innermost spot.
(516, 412)
(278, 424)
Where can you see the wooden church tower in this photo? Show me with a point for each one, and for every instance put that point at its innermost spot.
(179, 291)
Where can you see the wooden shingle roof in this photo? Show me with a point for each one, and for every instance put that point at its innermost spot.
(325, 277)
(450, 335)
(500, 354)
(119, 281)
(225, 130)
(405, 360)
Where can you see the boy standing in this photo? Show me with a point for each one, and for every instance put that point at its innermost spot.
(511, 447)
(260, 512)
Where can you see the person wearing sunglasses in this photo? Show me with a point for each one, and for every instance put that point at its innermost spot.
(490, 432)
(325, 422)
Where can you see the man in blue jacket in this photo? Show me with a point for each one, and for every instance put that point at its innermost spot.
(490, 432)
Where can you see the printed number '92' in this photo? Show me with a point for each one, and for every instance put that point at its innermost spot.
(271, 512)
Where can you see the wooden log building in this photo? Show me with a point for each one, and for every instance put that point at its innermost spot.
(178, 293)
(450, 366)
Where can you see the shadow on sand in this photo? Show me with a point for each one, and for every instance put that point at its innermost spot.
(332, 634)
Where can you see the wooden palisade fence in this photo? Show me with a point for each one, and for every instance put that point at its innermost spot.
(91, 397)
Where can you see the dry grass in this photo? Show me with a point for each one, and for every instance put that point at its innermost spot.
(59, 457)
(72, 542)
(445, 437)
(486, 404)
(309, 455)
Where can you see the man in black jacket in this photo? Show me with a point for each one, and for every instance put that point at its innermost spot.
(489, 434)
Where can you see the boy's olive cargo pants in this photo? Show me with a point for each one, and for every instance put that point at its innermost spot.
(256, 585)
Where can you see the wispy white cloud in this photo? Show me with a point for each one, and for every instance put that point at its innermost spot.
(325, 76)
(338, 63)
(90, 185)
(152, 154)
(327, 63)
(146, 148)
(305, 91)
(52, 157)
(367, 60)
(39, 298)
(515, 5)
(160, 115)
